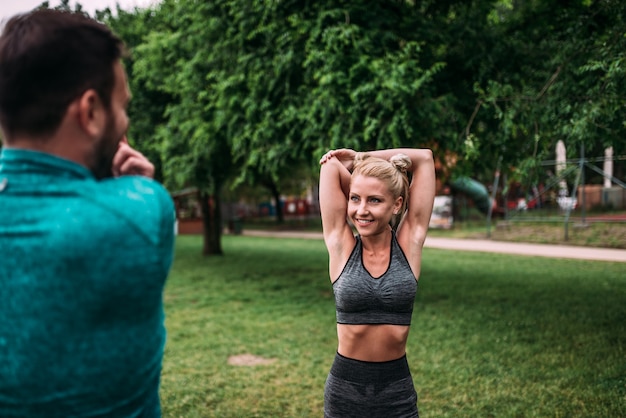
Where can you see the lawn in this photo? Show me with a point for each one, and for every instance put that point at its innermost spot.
(492, 335)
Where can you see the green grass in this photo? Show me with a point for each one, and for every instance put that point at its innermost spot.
(492, 335)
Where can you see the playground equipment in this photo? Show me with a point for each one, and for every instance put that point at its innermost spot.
(475, 191)
(576, 199)
(555, 189)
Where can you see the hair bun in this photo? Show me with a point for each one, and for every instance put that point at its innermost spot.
(401, 161)
(360, 156)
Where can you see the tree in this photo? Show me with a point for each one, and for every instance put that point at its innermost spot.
(552, 71)
(260, 86)
(63, 5)
(231, 91)
(176, 59)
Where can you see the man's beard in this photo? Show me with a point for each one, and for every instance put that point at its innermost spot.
(105, 151)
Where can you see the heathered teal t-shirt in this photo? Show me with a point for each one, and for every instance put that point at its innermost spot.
(82, 270)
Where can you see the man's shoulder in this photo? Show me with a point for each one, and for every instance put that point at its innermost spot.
(138, 202)
(134, 196)
(132, 189)
(139, 184)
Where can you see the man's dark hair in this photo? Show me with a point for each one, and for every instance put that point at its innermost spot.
(48, 58)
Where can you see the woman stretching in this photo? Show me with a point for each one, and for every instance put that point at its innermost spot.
(374, 274)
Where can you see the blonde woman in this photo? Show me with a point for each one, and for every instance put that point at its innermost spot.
(374, 274)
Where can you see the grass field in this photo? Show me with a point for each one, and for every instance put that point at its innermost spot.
(492, 335)
(591, 234)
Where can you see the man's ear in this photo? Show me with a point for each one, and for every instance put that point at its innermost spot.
(91, 113)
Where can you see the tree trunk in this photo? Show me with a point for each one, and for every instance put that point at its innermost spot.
(280, 214)
(212, 224)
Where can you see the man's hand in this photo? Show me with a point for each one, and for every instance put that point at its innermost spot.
(129, 161)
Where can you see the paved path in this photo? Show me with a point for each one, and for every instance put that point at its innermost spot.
(539, 250)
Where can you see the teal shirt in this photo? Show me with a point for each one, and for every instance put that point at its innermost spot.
(82, 271)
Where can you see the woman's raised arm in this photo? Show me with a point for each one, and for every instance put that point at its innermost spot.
(333, 194)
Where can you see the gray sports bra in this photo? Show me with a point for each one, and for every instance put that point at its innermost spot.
(363, 299)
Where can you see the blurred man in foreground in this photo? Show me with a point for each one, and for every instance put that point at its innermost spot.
(86, 236)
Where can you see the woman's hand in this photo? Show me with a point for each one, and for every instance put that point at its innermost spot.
(344, 155)
(129, 161)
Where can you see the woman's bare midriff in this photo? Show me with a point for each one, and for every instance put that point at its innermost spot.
(382, 342)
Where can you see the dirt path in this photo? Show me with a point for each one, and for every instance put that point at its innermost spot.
(540, 250)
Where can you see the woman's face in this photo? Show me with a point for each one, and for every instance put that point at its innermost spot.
(371, 205)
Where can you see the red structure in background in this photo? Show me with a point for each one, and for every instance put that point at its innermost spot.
(188, 212)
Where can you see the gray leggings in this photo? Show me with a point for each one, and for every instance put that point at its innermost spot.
(363, 389)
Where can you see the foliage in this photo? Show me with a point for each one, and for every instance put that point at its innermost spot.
(63, 5)
(368, 87)
(556, 73)
(235, 92)
(258, 87)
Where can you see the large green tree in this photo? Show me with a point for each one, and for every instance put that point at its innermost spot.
(234, 91)
(176, 58)
(258, 90)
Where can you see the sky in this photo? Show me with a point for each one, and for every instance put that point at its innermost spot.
(9, 8)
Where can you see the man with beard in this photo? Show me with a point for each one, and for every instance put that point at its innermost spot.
(86, 236)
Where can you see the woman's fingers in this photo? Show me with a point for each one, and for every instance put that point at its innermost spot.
(326, 156)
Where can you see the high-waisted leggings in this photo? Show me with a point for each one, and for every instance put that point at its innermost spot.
(363, 389)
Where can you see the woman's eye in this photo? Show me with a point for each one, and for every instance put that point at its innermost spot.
(354, 198)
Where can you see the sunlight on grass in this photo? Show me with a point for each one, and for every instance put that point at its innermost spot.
(492, 335)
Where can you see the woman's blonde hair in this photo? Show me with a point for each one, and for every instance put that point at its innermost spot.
(392, 172)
